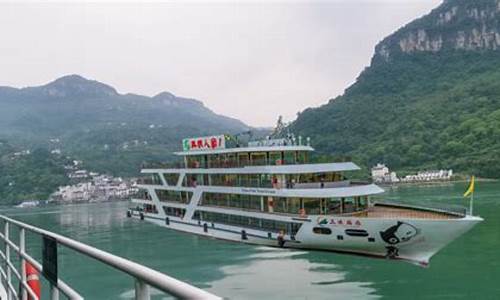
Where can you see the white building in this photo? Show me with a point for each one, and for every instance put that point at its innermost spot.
(100, 188)
(381, 174)
(79, 174)
(428, 176)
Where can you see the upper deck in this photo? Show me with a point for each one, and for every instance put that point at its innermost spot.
(261, 169)
(214, 152)
(264, 149)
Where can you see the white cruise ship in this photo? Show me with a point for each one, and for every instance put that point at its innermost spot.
(268, 193)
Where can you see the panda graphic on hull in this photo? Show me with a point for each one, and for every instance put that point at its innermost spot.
(399, 233)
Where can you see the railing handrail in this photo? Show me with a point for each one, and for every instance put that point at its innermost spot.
(144, 274)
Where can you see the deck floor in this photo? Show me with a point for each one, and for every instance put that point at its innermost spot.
(396, 212)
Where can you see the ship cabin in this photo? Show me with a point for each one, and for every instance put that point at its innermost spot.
(230, 177)
(267, 179)
(269, 152)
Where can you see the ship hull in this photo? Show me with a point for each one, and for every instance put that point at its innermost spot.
(411, 240)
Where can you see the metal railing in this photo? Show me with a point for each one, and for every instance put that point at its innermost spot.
(162, 165)
(144, 276)
(149, 180)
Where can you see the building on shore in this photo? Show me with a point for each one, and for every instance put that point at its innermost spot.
(79, 174)
(428, 176)
(381, 174)
(99, 189)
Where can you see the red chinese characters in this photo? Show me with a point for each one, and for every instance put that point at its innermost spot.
(204, 143)
(342, 222)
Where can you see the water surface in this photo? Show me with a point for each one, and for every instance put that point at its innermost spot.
(468, 268)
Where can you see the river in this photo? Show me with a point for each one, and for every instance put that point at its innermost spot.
(466, 269)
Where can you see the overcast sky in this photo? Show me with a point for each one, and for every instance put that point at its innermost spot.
(249, 60)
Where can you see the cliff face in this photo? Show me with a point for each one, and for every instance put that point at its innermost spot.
(429, 99)
(455, 25)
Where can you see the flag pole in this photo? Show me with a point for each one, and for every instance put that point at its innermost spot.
(471, 202)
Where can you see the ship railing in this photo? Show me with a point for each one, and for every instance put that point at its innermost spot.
(318, 185)
(444, 208)
(149, 181)
(142, 195)
(221, 164)
(144, 277)
(163, 165)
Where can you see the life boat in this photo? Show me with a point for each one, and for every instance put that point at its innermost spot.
(33, 280)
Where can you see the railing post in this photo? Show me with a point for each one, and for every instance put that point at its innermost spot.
(54, 292)
(7, 259)
(22, 249)
(141, 290)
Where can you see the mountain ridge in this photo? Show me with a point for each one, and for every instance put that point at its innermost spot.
(94, 122)
(418, 104)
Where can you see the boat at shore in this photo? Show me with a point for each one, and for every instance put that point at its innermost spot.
(268, 193)
(28, 204)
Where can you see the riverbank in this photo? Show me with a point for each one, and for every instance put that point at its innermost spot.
(437, 182)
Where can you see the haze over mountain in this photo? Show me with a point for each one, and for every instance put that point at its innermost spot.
(429, 99)
(110, 131)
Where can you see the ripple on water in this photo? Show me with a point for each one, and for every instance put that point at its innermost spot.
(284, 275)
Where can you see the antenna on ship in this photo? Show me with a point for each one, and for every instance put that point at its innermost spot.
(236, 137)
(279, 129)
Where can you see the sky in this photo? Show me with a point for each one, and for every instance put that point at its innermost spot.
(246, 59)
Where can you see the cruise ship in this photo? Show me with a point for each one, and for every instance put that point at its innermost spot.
(269, 193)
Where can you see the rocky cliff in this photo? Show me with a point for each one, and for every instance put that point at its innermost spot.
(429, 99)
(455, 25)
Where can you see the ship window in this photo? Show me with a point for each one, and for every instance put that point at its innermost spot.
(348, 205)
(340, 237)
(322, 230)
(311, 206)
(171, 178)
(275, 158)
(301, 157)
(194, 162)
(243, 159)
(174, 211)
(173, 196)
(150, 208)
(289, 158)
(151, 179)
(250, 222)
(279, 205)
(372, 240)
(258, 159)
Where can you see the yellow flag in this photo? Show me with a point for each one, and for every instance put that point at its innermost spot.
(470, 190)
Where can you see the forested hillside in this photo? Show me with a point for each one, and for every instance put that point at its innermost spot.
(110, 132)
(29, 175)
(44, 127)
(429, 99)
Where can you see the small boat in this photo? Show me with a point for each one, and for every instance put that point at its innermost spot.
(268, 193)
(27, 204)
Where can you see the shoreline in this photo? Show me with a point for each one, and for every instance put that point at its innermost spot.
(436, 182)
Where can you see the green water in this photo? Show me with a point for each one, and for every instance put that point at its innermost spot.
(466, 269)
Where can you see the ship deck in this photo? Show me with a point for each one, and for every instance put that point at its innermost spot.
(378, 210)
(387, 212)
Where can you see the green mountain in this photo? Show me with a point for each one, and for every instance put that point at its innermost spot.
(429, 99)
(32, 175)
(110, 132)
